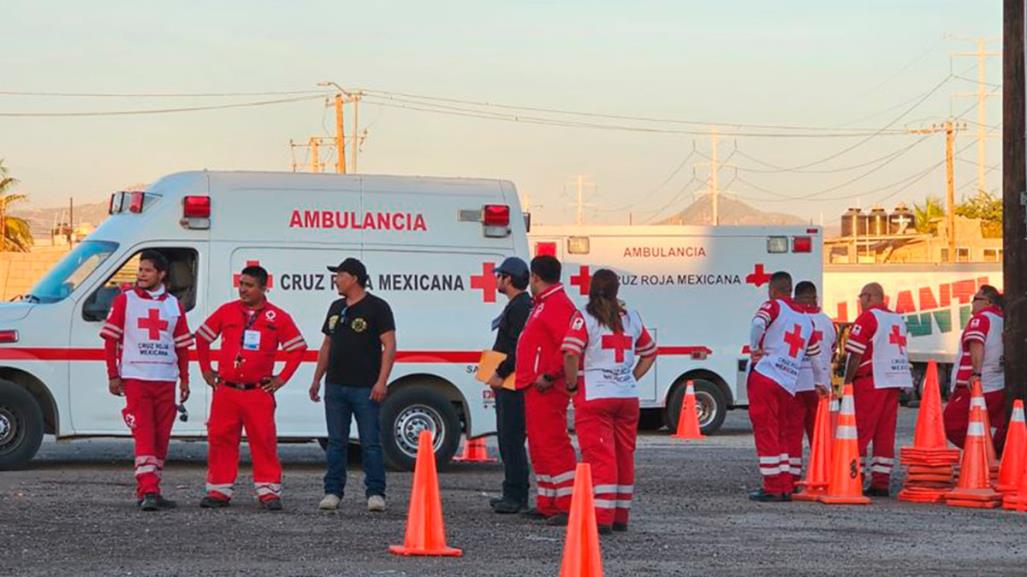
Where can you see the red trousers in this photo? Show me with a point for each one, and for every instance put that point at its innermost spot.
(771, 410)
(549, 447)
(607, 430)
(876, 414)
(957, 416)
(230, 411)
(149, 413)
(800, 416)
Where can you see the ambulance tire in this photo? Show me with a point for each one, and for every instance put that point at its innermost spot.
(410, 410)
(712, 405)
(21, 426)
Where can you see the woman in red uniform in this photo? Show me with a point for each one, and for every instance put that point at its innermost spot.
(606, 341)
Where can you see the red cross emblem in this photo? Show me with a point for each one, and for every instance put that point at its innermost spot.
(758, 276)
(795, 341)
(582, 280)
(270, 277)
(619, 343)
(153, 323)
(896, 338)
(486, 281)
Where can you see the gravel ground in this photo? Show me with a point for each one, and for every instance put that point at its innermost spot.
(72, 513)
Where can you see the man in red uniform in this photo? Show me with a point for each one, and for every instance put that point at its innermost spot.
(981, 353)
(781, 339)
(251, 330)
(146, 339)
(539, 372)
(877, 367)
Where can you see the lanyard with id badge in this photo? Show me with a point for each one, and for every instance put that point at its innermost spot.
(250, 338)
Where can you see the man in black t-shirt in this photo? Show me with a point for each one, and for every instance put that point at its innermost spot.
(357, 354)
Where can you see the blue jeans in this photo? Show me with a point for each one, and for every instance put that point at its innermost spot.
(341, 403)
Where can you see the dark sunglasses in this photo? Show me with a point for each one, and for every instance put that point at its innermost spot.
(975, 299)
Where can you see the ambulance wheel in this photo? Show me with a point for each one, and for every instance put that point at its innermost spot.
(21, 426)
(710, 402)
(409, 411)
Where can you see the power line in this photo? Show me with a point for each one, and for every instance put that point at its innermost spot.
(159, 110)
(666, 181)
(155, 94)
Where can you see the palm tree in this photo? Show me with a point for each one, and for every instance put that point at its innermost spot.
(927, 215)
(14, 232)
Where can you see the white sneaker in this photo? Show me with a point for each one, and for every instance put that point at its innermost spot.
(329, 503)
(376, 503)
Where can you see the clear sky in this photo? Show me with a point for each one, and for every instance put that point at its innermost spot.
(815, 63)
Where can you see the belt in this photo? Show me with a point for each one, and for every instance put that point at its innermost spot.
(239, 386)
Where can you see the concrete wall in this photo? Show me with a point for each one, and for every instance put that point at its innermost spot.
(19, 271)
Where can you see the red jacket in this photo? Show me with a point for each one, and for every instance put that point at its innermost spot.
(538, 348)
(113, 332)
(249, 364)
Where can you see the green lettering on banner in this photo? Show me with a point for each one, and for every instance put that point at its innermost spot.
(919, 325)
(944, 320)
(964, 316)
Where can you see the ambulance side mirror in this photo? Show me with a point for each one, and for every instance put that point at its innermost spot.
(98, 305)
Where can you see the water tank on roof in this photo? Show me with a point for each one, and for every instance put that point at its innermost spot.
(901, 220)
(854, 223)
(877, 222)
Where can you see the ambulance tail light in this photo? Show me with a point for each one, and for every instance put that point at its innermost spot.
(135, 203)
(8, 336)
(196, 212)
(802, 244)
(496, 220)
(777, 244)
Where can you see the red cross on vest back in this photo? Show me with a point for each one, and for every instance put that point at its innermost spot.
(486, 281)
(795, 341)
(619, 342)
(758, 276)
(270, 277)
(896, 338)
(153, 324)
(582, 280)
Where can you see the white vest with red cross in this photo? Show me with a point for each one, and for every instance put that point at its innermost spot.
(784, 347)
(609, 359)
(148, 349)
(985, 327)
(890, 360)
(823, 328)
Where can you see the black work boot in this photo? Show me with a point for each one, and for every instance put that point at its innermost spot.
(209, 502)
(150, 502)
(762, 496)
(509, 506)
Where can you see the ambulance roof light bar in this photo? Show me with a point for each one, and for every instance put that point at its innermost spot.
(495, 218)
(196, 212)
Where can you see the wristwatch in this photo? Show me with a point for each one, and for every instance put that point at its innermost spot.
(548, 378)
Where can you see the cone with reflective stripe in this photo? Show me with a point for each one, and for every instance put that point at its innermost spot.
(977, 400)
(688, 418)
(846, 486)
(930, 426)
(930, 461)
(426, 534)
(974, 488)
(475, 451)
(581, 554)
(818, 472)
(1017, 501)
(1014, 457)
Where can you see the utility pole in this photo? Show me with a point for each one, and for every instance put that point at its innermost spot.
(340, 136)
(950, 128)
(315, 163)
(714, 169)
(1014, 199)
(981, 94)
(355, 143)
(579, 204)
(581, 200)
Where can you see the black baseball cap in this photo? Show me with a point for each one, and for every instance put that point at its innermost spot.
(352, 266)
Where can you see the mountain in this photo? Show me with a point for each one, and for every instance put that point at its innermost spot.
(732, 212)
(41, 220)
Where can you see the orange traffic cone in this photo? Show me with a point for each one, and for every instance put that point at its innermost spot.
(475, 451)
(846, 486)
(930, 460)
(426, 535)
(688, 418)
(974, 488)
(581, 554)
(977, 400)
(1017, 501)
(818, 472)
(1014, 457)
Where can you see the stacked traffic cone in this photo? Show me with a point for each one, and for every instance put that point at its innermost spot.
(818, 472)
(977, 400)
(930, 460)
(974, 489)
(688, 418)
(836, 405)
(1014, 457)
(846, 485)
(1017, 500)
(581, 554)
(475, 451)
(426, 534)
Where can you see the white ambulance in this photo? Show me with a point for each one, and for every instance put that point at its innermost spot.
(429, 245)
(696, 288)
